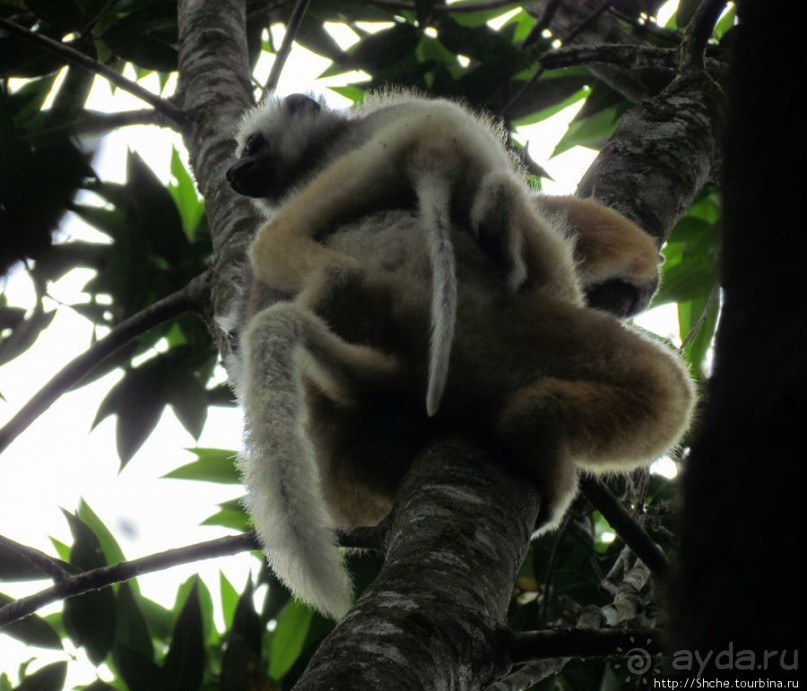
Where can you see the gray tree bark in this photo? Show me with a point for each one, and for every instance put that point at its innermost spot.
(434, 618)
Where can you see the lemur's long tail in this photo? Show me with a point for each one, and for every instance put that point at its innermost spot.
(434, 194)
(279, 467)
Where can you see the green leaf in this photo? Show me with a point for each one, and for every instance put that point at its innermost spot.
(241, 664)
(99, 685)
(546, 99)
(700, 314)
(316, 38)
(64, 15)
(138, 400)
(686, 10)
(33, 630)
(597, 118)
(727, 22)
(211, 635)
(246, 622)
(592, 130)
(89, 619)
(61, 548)
(132, 630)
(138, 670)
(480, 43)
(184, 663)
(212, 465)
(229, 599)
(158, 215)
(109, 546)
(384, 49)
(21, 59)
(191, 207)
(49, 678)
(160, 621)
(482, 17)
(24, 334)
(188, 398)
(29, 198)
(146, 37)
(232, 515)
(690, 280)
(10, 317)
(288, 638)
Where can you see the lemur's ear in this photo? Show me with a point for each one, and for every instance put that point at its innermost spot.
(300, 104)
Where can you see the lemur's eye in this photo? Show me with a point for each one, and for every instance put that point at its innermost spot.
(255, 142)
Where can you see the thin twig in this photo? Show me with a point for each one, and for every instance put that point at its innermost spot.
(624, 525)
(292, 27)
(71, 585)
(99, 123)
(698, 325)
(540, 645)
(543, 22)
(103, 577)
(566, 39)
(190, 298)
(77, 58)
(46, 564)
(529, 675)
(443, 9)
(550, 567)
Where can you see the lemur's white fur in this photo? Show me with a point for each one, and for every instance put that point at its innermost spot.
(331, 377)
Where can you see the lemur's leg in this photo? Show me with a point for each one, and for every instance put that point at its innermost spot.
(612, 415)
(534, 255)
(617, 262)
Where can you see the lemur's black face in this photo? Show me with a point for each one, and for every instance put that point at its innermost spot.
(620, 298)
(254, 173)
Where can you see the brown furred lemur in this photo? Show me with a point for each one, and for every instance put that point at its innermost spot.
(322, 166)
(332, 379)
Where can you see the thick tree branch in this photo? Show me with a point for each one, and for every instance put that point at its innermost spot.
(630, 57)
(701, 26)
(191, 297)
(433, 617)
(78, 59)
(628, 529)
(664, 151)
(214, 90)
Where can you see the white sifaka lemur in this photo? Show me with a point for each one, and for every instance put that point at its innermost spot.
(383, 223)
